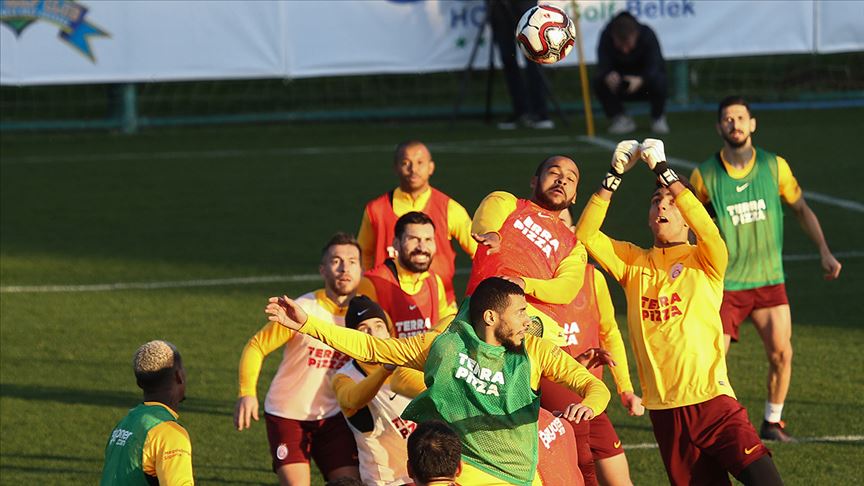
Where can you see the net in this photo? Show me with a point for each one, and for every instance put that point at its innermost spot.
(693, 84)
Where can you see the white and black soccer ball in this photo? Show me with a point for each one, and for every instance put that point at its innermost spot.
(545, 34)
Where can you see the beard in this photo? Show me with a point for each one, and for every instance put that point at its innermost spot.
(415, 267)
(546, 202)
(508, 343)
(734, 143)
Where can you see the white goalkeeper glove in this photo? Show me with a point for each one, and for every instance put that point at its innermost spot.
(654, 155)
(624, 157)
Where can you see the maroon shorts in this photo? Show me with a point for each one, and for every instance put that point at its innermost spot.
(603, 439)
(700, 443)
(329, 442)
(738, 304)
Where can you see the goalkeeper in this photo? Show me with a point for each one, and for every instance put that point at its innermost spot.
(673, 295)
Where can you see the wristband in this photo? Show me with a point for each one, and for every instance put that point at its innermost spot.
(665, 175)
(611, 181)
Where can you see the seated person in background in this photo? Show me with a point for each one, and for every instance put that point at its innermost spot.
(630, 66)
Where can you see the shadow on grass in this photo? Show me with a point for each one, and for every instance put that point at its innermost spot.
(124, 400)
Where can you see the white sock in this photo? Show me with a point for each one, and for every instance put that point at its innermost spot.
(773, 411)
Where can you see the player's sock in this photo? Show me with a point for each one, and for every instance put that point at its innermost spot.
(773, 412)
(762, 471)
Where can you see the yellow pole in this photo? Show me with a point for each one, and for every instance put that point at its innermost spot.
(583, 72)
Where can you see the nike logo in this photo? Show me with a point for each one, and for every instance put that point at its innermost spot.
(742, 187)
(393, 397)
(617, 444)
(362, 312)
(749, 450)
(542, 215)
(412, 307)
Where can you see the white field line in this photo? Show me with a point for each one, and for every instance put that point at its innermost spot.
(813, 196)
(221, 282)
(515, 144)
(826, 438)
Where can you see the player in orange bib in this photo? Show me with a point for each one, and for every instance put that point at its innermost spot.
(413, 164)
(525, 241)
(406, 287)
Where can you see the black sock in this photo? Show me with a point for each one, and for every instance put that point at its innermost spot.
(762, 472)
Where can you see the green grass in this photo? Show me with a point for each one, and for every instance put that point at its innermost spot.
(170, 205)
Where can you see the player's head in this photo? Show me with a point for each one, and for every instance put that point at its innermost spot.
(500, 306)
(665, 219)
(340, 264)
(365, 315)
(434, 452)
(624, 29)
(554, 183)
(414, 241)
(159, 369)
(735, 121)
(413, 163)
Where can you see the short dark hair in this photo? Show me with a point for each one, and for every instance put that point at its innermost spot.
(547, 160)
(623, 25)
(338, 239)
(402, 147)
(492, 293)
(413, 217)
(732, 100)
(434, 451)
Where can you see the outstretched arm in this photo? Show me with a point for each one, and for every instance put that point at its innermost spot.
(410, 352)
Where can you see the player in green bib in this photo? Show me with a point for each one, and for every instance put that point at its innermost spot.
(744, 185)
(482, 375)
(148, 446)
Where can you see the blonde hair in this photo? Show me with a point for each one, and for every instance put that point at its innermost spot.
(154, 363)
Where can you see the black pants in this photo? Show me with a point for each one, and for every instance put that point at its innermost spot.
(653, 89)
(527, 94)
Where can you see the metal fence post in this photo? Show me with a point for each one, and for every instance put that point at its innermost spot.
(129, 108)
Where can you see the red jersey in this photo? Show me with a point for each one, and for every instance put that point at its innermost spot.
(558, 462)
(410, 314)
(582, 330)
(383, 220)
(534, 241)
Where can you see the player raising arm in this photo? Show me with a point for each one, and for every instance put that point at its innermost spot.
(673, 292)
(482, 375)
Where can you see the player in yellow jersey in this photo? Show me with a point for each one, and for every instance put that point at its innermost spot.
(148, 445)
(482, 373)
(302, 415)
(673, 295)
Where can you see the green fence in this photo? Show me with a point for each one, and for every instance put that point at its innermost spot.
(835, 79)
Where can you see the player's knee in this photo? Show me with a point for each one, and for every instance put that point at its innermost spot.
(781, 357)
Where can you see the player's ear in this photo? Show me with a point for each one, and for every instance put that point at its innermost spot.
(533, 183)
(752, 125)
(718, 129)
(431, 167)
(490, 317)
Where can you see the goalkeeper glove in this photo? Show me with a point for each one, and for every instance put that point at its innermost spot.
(623, 159)
(654, 154)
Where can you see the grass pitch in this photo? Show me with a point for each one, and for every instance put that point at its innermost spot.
(219, 203)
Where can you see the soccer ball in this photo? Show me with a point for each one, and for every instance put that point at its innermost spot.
(545, 34)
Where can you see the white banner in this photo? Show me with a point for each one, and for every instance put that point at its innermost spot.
(840, 25)
(91, 41)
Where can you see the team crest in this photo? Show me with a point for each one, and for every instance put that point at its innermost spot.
(675, 271)
(68, 15)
